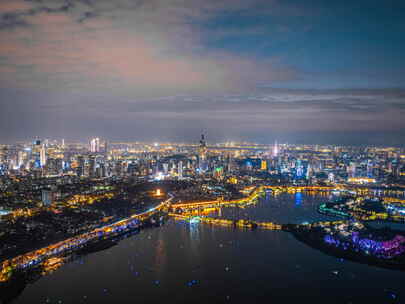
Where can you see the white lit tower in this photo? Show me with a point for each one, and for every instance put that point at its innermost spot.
(275, 150)
(42, 156)
(95, 145)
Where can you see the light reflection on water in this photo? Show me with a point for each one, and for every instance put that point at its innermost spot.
(183, 263)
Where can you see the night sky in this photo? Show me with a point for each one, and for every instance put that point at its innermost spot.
(297, 71)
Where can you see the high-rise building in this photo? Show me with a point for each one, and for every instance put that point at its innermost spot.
(165, 168)
(92, 165)
(118, 168)
(22, 157)
(42, 158)
(309, 172)
(369, 168)
(47, 197)
(202, 154)
(275, 149)
(299, 169)
(35, 153)
(53, 166)
(352, 169)
(180, 169)
(95, 145)
(263, 165)
(80, 165)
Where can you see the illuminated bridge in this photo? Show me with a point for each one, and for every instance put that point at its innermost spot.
(254, 194)
(228, 223)
(251, 224)
(38, 256)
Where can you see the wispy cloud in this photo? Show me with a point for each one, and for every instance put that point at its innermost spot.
(134, 46)
(114, 65)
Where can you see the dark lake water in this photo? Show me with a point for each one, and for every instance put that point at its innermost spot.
(196, 263)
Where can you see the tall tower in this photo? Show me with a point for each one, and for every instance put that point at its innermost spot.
(105, 147)
(369, 168)
(275, 149)
(42, 156)
(95, 145)
(202, 154)
(92, 165)
(80, 165)
(180, 169)
(203, 147)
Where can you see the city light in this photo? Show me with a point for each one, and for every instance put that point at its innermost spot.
(209, 151)
(90, 195)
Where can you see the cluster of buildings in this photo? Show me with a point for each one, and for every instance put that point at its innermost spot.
(283, 162)
(52, 189)
(42, 172)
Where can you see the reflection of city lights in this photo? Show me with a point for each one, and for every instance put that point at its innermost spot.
(158, 192)
(298, 198)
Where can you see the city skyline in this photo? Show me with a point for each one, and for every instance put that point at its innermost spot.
(202, 151)
(89, 142)
(155, 212)
(312, 72)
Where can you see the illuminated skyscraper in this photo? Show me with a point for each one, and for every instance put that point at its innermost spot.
(299, 169)
(165, 168)
(275, 149)
(47, 197)
(180, 169)
(95, 145)
(21, 158)
(92, 165)
(80, 165)
(42, 158)
(263, 165)
(369, 168)
(36, 152)
(309, 172)
(202, 154)
(202, 150)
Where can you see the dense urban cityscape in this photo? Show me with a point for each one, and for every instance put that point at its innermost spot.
(59, 198)
(202, 151)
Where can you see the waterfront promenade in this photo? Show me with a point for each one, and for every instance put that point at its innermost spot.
(38, 256)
